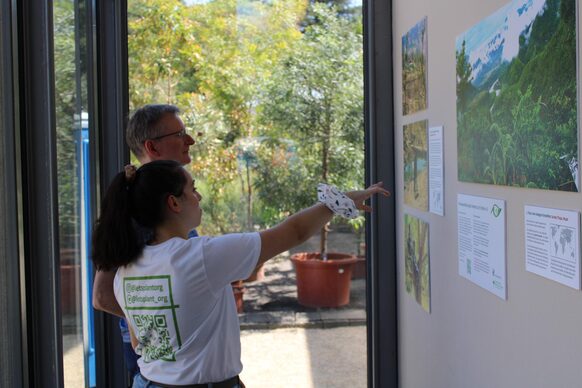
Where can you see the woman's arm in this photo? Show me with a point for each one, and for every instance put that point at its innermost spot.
(304, 224)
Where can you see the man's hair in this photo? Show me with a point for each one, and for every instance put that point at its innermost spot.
(143, 125)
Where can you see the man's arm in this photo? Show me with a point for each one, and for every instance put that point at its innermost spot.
(133, 338)
(103, 295)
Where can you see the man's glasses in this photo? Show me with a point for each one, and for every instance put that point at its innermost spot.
(181, 133)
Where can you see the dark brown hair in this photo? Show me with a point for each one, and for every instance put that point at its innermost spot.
(130, 211)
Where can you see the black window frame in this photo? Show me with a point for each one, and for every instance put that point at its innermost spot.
(11, 347)
(381, 225)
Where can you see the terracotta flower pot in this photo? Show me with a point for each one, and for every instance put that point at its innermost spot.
(323, 283)
(359, 270)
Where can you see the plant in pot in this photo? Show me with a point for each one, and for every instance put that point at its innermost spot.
(315, 101)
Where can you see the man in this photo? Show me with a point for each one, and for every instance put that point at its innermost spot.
(154, 132)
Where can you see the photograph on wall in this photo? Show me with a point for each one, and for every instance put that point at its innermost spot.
(517, 97)
(414, 64)
(416, 165)
(417, 260)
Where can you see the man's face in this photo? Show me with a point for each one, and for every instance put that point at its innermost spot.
(172, 143)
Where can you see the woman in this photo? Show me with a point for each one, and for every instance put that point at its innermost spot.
(175, 291)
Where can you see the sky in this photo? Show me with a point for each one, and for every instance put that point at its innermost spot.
(510, 21)
(353, 3)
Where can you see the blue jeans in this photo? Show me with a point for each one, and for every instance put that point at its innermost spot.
(140, 382)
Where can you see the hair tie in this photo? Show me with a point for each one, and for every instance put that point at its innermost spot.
(130, 171)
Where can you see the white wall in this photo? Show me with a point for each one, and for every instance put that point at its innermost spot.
(472, 338)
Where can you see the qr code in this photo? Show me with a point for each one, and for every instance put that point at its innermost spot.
(154, 338)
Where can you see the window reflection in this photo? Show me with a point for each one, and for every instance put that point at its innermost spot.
(73, 182)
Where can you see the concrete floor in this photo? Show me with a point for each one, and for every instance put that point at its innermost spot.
(304, 358)
(285, 358)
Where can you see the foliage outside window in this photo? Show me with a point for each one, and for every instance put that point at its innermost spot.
(273, 92)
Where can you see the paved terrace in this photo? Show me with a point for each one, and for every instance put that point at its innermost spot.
(272, 302)
(288, 345)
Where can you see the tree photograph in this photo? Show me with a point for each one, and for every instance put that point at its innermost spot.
(416, 165)
(414, 68)
(417, 260)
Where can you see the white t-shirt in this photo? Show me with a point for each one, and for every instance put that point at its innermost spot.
(179, 302)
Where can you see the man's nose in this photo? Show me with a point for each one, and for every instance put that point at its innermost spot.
(189, 140)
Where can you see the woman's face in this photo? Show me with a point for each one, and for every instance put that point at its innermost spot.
(191, 201)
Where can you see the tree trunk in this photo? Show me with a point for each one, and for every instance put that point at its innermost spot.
(323, 242)
(249, 199)
(324, 170)
(415, 174)
(418, 285)
(421, 260)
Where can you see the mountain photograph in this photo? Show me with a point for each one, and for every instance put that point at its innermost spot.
(517, 118)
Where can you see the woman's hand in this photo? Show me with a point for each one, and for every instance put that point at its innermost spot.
(360, 196)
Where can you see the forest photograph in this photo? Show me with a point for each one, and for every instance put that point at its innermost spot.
(416, 165)
(414, 69)
(517, 97)
(417, 260)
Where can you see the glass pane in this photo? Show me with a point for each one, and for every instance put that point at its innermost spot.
(73, 186)
(272, 92)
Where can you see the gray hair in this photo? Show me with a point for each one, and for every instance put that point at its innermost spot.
(142, 125)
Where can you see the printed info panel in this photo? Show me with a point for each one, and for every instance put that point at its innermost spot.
(481, 236)
(435, 170)
(552, 247)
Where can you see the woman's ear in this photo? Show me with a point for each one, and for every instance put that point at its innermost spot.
(173, 204)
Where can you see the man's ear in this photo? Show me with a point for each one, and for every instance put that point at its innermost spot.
(173, 204)
(150, 149)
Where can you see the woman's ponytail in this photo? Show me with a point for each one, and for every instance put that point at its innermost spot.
(115, 241)
(133, 206)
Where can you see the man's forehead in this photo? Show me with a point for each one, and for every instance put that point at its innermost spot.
(170, 119)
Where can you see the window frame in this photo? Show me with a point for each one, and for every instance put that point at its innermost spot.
(382, 312)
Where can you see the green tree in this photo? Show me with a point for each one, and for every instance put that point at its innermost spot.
(464, 78)
(164, 53)
(315, 97)
(211, 60)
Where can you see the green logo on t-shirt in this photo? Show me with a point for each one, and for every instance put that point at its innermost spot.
(150, 304)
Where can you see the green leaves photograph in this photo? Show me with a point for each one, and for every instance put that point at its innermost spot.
(516, 89)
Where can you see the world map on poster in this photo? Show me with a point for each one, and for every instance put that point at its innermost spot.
(552, 247)
(562, 242)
